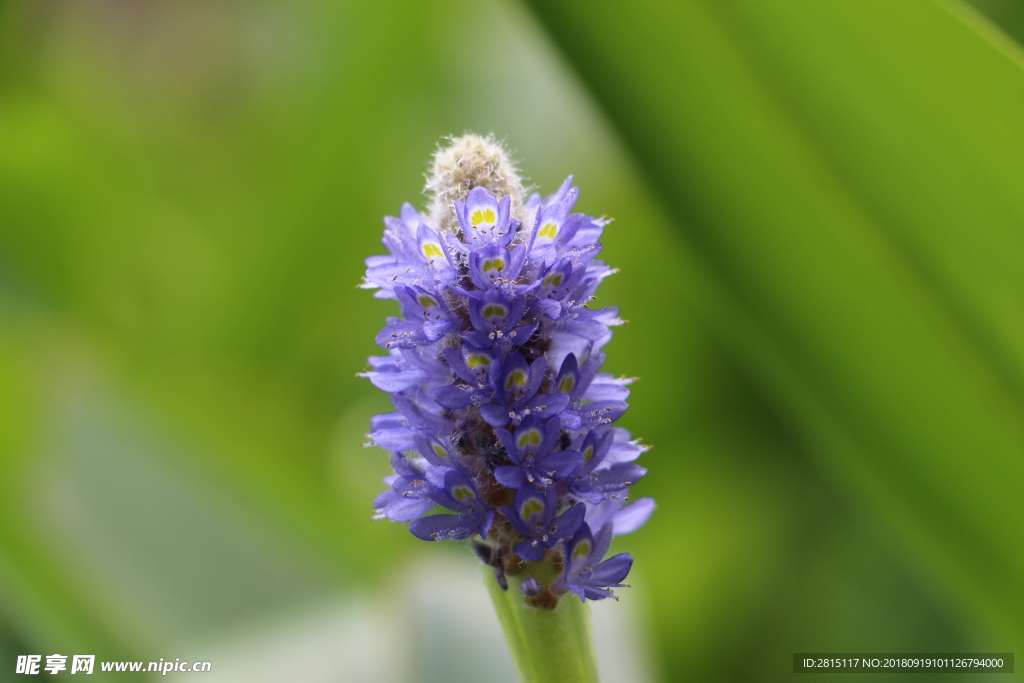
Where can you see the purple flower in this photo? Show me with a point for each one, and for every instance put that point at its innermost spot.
(599, 479)
(586, 574)
(407, 498)
(534, 517)
(531, 448)
(515, 392)
(494, 369)
(450, 488)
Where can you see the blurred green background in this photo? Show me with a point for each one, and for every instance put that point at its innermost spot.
(820, 226)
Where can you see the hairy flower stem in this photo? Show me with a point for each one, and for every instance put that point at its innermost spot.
(548, 645)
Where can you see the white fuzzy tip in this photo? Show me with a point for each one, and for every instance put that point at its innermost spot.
(470, 161)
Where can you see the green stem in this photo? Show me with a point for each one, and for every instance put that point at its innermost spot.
(548, 645)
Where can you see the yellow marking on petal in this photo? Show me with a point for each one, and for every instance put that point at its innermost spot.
(495, 311)
(553, 279)
(530, 437)
(567, 384)
(462, 493)
(432, 250)
(497, 264)
(516, 378)
(427, 301)
(549, 230)
(582, 550)
(588, 453)
(483, 216)
(531, 507)
(478, 359)
(441, 452)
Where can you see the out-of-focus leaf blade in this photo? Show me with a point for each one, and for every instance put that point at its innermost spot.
(849, 175)
(1008, 15)
(46, 598)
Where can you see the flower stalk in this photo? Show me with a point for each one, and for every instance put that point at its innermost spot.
(548, 645)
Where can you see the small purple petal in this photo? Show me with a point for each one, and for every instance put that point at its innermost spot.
(454, 396)
(612, 571)
(530, 550)
(633, 516)
(439, 527)
(510, 476)
(562, 464)
(406, 508)
(494, 414)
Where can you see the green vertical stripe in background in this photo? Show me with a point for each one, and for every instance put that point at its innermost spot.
(851, 177)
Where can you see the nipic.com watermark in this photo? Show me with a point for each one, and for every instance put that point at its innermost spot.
(86, 664)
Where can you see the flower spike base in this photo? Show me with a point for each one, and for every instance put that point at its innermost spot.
(548, 645)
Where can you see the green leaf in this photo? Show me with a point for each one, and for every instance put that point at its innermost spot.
(848, 177)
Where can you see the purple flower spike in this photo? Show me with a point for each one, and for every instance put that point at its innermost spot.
(494, 369)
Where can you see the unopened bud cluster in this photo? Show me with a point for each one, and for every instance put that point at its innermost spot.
(502, 415)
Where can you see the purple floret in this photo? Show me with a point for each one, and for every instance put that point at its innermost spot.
(451, 489)
(534, 517)
(532, 450)
(586, 574)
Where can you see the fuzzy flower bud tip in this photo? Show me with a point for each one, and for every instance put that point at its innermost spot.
(502, 414)
(469, 162)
